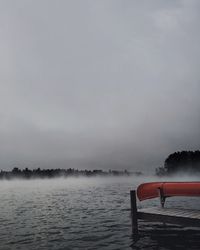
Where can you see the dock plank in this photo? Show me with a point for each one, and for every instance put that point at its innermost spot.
(186, 217)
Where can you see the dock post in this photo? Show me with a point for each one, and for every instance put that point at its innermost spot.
(134, 212)
(162, 197)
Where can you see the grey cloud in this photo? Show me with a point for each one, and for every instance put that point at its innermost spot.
(98, 83)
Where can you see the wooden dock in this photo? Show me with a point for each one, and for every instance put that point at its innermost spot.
(185, 217)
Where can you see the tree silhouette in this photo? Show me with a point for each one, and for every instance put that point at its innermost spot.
(185, 161)
(52, 173)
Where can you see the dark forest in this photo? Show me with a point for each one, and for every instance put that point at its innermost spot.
(184, 161)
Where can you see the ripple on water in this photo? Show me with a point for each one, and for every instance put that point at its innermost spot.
(83, 214)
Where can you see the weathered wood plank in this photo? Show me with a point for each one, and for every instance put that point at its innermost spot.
(173, 211)
(171, 215)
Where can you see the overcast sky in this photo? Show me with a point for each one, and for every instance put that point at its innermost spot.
(98, 84)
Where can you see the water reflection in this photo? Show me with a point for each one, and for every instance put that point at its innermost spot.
(160, 236)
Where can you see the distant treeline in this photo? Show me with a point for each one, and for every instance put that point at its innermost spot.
(52, 173)
(184, 161)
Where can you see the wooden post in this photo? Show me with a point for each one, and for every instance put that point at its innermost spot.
(162, 197)
(134, 212)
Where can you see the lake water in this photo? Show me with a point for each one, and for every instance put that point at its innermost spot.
(84, 213)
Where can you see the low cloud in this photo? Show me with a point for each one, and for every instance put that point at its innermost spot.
(98, 84)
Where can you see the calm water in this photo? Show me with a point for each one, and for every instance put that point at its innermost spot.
(83, 213)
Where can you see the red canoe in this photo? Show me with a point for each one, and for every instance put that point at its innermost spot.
(151, 190)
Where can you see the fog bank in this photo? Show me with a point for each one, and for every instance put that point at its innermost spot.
(98, 84)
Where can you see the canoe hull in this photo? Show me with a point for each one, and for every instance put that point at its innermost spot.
(168, 189)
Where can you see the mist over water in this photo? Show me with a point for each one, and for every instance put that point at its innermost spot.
(85, 213)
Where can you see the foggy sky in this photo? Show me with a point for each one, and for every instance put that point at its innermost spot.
(98, 84)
